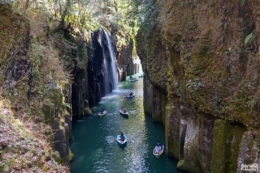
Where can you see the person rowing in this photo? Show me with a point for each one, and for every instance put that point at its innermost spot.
(158, 148)
(123, 110)
(122, 137)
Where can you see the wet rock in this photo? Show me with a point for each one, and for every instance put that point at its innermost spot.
(87, 111)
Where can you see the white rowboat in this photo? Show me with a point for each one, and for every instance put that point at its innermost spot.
(123, 113)
(120, 141)
(133, 80)
(159, 153)
(101, 115)
(129, 97)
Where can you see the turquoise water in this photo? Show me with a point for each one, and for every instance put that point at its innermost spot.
(94, 139)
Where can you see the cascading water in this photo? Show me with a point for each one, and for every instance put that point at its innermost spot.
(109, 66)
(113, 72)
(139, 65)
(107, 84)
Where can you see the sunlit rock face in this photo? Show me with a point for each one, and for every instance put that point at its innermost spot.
(201, 67)
(125, 61)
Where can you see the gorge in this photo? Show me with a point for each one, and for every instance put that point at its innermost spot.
(201, 77)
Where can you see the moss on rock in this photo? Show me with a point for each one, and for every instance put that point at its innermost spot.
(226, 146)
(218, 163)
(49, 112)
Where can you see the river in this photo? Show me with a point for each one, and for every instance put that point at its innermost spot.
(94, 142)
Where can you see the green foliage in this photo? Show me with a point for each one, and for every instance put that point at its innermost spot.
(252, 103)
(85, 17)
(258, 145)
(142, 11)
(71, 155)
(82, 58)
(242, 2)
(225, 25)
(249, 39)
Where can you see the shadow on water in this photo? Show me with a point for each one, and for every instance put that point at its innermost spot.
(124, 116)
(122, 146)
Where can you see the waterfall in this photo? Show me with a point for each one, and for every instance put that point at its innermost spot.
(111, 66)
(139, 65)
(107, 85)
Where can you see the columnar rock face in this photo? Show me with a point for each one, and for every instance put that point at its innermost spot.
(89, 77)
(95, 65)
(125, 61)
(201, 65)
(38, 91)
(59, 115)
(98, 87)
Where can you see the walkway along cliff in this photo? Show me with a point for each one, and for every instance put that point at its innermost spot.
(201, 64)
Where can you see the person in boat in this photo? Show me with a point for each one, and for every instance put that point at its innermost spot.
(131, 94)
(158, 148)
(102, 111)
(122, 137)
(161, 146)
(123, 110)
(131, 78)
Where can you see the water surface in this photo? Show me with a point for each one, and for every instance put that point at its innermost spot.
(94, 139)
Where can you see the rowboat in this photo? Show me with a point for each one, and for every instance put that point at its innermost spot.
(119, 140)
(102, 114)
(133, 80)
(129, 97)
(159, 153)
(123, 113)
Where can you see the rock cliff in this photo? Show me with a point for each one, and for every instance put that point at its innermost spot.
(52, 72)
(35, 117)
(201, 65)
